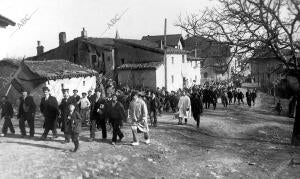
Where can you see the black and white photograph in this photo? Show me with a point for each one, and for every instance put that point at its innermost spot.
(156, 89)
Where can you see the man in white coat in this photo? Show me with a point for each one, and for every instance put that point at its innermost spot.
(184, 106)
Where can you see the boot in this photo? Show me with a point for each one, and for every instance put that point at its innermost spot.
(76, 143)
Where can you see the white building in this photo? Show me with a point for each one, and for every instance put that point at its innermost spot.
(180, 72)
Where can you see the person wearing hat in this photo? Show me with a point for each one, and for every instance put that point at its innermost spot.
(138, 115)
(50, 111)
(84, 106)
(98, 115)
(64, 111)
(116, 115)
(7, 113)
(26, 112)
(184, 106)
(76, 96)
(73, 125)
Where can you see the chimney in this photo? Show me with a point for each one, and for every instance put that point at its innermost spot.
(83, 33)
(39, 48)
(62, 38)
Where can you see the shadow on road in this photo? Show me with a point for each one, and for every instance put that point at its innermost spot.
(36, 145)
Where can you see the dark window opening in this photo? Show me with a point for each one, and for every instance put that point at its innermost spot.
(123, 61)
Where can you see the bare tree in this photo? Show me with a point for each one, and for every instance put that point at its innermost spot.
(248, 25)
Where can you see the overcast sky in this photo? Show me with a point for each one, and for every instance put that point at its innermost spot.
(143, 17)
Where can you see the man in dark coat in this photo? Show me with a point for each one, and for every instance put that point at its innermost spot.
(64, 111)
(73, 125)
(235, 95)
(27, 109)
(98, 115)
(253, 96)
(153, 107)
(6, 114)
(115, 113)
(197, 106)
(240, 97)
(248, 97)
(49, 108)
(230, 96)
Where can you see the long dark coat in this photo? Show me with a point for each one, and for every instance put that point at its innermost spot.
(116, 114)
(27, 108)
(196, 104)
(73, 123)
(64, 109)
(49, 108)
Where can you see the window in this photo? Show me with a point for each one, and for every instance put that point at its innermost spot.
(122, 61)
(62, 86)
(108, 59)
(205, 75)
(83, 83)
(172, 78)
(94, 59)
(201, 63)
(182, 58)
(172, 60)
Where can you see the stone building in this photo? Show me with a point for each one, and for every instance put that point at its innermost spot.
(214, 57)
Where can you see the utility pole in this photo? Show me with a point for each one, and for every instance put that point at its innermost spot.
(165, 55)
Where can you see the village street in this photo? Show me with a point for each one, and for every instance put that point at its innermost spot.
(238, 142)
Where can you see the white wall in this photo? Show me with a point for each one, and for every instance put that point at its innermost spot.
(160, 76)
(179, 70)
(55, 86)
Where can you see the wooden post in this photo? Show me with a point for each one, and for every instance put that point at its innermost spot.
(8, 90)
(165, 55)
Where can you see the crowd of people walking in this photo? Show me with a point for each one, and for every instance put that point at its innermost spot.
(96, 110)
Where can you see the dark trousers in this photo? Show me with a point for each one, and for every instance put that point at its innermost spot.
(116, 132)
(46, 131)
(230, 100)
(207, 104)
(30, 122)
(153, 117)
(102, 124)
(249, 102)
(93, 127)
(197, 119)
(8, 124)
(75, 139)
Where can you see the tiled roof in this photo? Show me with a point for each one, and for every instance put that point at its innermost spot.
(144, 44)
(171, 50)
(4, 21)
(191, 58)
(13, 62)
(140, 66)
(207, 48)
(58, 69)
(172, 39)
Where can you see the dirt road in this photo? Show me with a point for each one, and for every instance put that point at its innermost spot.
(238, 142)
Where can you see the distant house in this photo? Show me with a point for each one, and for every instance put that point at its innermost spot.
(112, 56)
(266, 69)
(89, 52)
(213, 55)
(55, 74)
(4, 22)
(173, 40)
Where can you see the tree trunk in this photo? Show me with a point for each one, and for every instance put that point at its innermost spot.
(296, 129)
